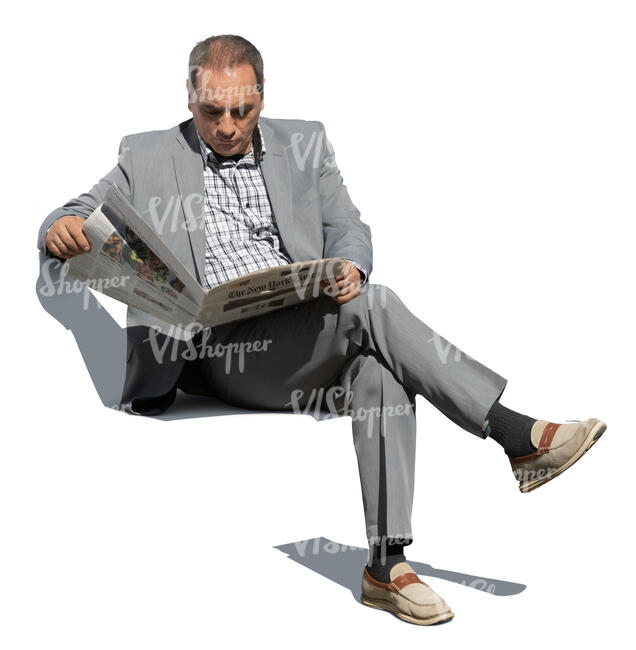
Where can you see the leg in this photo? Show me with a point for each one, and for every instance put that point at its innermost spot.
(321, 345)
(382, 356)
(383, 424)
(463, 389)
(422, 360)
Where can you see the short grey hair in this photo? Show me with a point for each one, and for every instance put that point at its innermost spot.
(224, 51)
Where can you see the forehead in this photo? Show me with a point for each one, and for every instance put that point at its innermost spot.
(231, 84)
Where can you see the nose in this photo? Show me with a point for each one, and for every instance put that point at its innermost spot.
(226, 126)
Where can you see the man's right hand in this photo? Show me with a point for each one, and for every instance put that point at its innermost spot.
(66, 237)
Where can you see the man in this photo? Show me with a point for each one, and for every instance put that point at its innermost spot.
(231, 192)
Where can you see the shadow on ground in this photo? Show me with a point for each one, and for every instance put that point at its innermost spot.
(102, 344)
(343, 564)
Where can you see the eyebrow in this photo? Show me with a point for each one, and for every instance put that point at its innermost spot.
(217, 109)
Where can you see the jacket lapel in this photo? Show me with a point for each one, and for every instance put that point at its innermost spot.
(275, 167)
(188, 167)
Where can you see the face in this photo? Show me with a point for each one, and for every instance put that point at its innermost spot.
(225, 107)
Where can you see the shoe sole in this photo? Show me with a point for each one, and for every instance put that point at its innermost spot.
(387, 606)
(595, 433)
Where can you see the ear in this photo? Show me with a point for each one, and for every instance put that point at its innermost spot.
(263, 94)
(189, 95)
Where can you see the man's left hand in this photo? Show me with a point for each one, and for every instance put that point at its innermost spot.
(348, 284)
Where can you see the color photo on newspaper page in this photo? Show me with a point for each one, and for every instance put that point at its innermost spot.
(129, 262)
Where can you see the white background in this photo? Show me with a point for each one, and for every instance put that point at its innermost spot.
(490, 146)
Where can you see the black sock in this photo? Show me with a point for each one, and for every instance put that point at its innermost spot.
(510, 429)
(383, 559)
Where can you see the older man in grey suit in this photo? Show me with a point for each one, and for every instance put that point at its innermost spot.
(232, 192)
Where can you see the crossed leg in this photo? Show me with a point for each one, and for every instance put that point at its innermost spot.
(367, 358)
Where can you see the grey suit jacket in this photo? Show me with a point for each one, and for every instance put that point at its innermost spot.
(161, 173)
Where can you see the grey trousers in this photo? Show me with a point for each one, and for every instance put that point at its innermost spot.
(367, 358)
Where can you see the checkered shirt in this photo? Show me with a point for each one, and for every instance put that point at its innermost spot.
(241, 235)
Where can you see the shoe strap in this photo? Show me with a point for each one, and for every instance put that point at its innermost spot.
(398, 583)
(547, 436)
(405, 579)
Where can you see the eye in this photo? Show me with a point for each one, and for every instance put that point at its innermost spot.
(241, 112)
(212, 113)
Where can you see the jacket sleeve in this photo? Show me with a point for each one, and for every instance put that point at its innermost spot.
(84, 204)
(346, 235)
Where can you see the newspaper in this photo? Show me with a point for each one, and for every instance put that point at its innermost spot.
(130, 263)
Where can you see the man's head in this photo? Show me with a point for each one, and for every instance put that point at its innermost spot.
(225, 92)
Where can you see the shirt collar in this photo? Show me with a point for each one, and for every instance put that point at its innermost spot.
(256, 152)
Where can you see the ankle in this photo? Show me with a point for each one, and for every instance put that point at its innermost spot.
(382, 558)
(510, 429)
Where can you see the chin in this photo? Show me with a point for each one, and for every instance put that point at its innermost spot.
(224, 148)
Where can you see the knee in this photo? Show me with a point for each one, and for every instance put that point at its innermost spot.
(366, 367)
(364, 373)
(374, 300)
(376, 297)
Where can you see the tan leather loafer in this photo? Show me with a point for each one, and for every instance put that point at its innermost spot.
(406, 596)
(559, 446)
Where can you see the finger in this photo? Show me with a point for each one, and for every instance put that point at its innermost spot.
(56, 246)
(346, 282)
(76, 231)
(60, 245)
(347, 278)
(53, 247)
(345, 296)
(342, 299)
(346, 270)
(348, 289)
(67, 240)
(331, 287)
